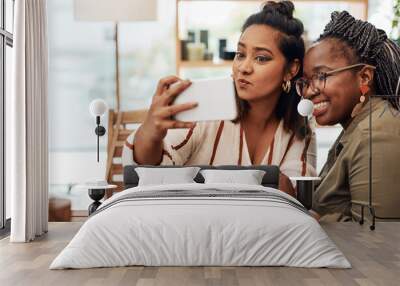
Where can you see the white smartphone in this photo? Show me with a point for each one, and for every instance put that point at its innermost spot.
(215, 97)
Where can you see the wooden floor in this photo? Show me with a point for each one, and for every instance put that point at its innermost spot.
(375, 256)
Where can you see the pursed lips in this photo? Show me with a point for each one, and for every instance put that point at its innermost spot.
(243, 83)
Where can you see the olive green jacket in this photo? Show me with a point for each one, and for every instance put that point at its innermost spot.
(345, 175)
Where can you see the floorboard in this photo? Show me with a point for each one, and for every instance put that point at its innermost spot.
(375, 257)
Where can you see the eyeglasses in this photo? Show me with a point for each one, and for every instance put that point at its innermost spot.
(317, 81)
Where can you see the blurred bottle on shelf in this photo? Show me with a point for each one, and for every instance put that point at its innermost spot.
(184, 52)
(221, 48)
(204, 38)
(196, 51)
(191, 36)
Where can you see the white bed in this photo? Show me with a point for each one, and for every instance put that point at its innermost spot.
(249, 226)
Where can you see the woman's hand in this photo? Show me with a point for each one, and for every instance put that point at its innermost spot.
(159, 117)
(285, 185)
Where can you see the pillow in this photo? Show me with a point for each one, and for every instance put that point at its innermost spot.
(248, 177)
(162, 176)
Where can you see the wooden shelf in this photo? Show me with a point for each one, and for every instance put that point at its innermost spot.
(205, 64)
(211, 64)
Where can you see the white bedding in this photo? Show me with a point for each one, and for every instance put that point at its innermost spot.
(183, 231)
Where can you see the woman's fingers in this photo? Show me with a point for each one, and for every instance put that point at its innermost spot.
(160, 113)
(171, 110)
(164, 84)
(175, 90)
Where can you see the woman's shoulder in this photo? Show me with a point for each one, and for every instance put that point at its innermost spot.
(384, 119)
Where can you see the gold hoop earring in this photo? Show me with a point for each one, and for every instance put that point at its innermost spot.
(286, 86)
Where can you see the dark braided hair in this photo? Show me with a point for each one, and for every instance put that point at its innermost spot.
(370, 46)
(279, 15)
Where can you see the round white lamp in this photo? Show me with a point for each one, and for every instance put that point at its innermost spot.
(98, 107)
(305, 107)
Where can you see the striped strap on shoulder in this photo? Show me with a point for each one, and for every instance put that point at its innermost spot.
(271, 151)
(217, 137)
(291, 141)
(240, 146)
(186, 140)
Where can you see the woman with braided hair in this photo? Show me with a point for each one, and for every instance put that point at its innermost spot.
(351, 61)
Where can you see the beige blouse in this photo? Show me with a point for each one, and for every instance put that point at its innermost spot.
(224, 143)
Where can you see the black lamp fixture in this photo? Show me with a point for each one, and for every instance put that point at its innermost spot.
(97, 188)
(305, 185)
(97, 108)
